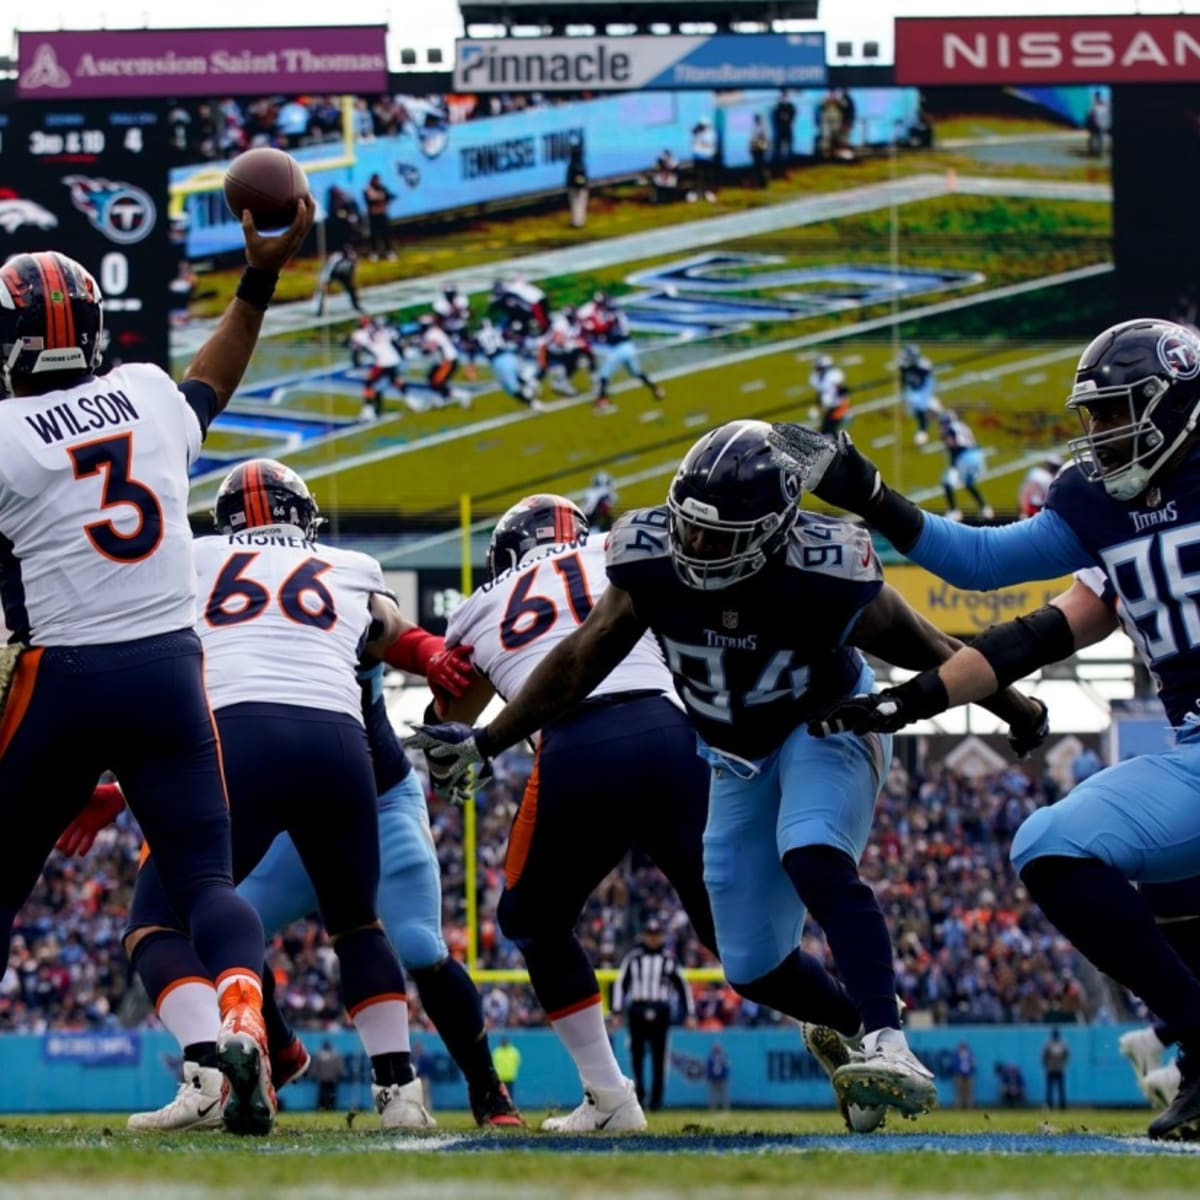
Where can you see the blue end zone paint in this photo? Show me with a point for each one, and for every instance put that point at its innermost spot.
(893, 1143)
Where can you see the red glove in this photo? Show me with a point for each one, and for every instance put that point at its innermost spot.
(101, 810)
(451, 672)
(419, 653)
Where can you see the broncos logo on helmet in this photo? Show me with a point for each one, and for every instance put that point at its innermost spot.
(265, 492)
(732, 506)
(51, 317)
(540, 520)
(1137, 395)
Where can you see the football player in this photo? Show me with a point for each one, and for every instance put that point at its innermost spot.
(443, 355)
(517, 378)
(966, 464)
(280, 616)
(1031, 495)
(607, 328)
(599, 502)
(377, 340)
(761, 611)
(916, 389)
(1125, 506)
(828, 381)
(99, 595)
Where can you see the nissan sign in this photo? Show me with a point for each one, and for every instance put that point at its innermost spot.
(1014, 50)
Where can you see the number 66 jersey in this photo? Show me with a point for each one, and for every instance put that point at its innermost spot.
(516, 619)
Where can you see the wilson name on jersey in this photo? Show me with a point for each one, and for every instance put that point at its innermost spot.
(95, 545)
(753, 661)
(283, 619)
(1149, 550)
(516, 619)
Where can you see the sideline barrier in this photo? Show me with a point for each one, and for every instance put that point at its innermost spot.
(129, 1070)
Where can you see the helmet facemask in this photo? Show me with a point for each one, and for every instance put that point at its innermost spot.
(710, 554)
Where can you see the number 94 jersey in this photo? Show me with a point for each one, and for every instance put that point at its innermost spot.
(754, 660)
(514, 621)
(282, 619)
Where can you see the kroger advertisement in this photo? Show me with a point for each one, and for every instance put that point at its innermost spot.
(435, 164)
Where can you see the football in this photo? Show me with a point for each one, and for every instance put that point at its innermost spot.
(269, 182)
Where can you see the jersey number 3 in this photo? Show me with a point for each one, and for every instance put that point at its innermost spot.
(111, 458)
(236, 597)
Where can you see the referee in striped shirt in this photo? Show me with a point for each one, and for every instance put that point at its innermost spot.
(648, 976)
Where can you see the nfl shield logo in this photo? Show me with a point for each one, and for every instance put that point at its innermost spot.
(729, 619)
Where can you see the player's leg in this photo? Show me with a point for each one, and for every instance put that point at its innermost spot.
(658, 1059)
(410, 906)
(972, 467)
(1137, 820)
(950, 481)
(638, 1045)
(609, 362)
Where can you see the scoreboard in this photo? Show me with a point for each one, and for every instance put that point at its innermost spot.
(89, 178)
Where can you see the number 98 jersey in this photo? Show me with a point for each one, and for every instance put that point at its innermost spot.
(282, 619)
(514, 621)
(754, 660)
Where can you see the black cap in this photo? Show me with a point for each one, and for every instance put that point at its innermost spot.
(653, 926)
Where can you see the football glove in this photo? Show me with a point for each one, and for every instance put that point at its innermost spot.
(450, 672)
(1026, 736)
(101, 810)
(922, 696)
(453, 747)
(451, 785)
(832, 469)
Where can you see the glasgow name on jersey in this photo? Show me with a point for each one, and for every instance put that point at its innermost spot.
(1149, 549)
(753, 661)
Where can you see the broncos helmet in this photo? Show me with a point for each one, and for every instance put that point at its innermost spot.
(1137, 395)
(51, 317)
(264, 492)
(732, 506)
(541, 520)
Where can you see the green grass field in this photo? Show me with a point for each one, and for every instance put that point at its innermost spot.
(685, 1154)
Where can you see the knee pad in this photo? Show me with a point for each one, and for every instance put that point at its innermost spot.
(417, 945)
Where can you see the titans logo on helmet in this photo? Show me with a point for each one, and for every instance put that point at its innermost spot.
(1179, 353)
(120, 211)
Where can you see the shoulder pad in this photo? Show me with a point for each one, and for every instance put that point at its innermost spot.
(638, 536)
(833, 547)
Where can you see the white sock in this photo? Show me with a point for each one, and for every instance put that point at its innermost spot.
(586, 1040)
(188, 1011)
(382, 1024)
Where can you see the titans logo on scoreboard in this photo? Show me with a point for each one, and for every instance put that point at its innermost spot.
(122, 212)
(1179, 353)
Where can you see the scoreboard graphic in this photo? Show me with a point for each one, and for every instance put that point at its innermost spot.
(89, 179)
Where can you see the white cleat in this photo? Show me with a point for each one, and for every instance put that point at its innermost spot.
(833, 1050)
(367, 413)
(402, 1106)
(197, 1104)
(955, 514)
(920, 437)
(888, 1072)
(1143, 1050)
(1161, 1085)
(987, 512)
(461, 396)
(612, 1110)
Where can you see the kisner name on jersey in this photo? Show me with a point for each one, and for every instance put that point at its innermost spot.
(753, 661)
(254, 537)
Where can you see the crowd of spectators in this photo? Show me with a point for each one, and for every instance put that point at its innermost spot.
(970, 946)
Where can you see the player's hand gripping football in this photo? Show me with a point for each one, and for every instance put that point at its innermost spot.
(453, 750)
(100, 811)
(1026, 736)
(879, 712)
(832, 470)
(271, 252)
(450, 672)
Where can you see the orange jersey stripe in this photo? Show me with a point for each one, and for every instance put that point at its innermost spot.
(382, 998)
(520, 840)
(66, 313)
(578, 1006)
(55, 325)
(178, 983)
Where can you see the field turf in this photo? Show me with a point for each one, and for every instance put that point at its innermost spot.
(685, 1154)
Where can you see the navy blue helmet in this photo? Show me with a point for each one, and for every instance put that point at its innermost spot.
(51, 317)
(540, 520)
(1137, 395)
(264, 492)
(732, 506)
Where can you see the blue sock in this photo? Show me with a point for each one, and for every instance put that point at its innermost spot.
(452, 1003)
(826, 879)
(801, 988)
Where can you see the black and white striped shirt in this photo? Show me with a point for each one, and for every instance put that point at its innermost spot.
(650, 977)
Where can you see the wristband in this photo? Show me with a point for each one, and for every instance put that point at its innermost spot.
(896, 517)
(921, 697)
(483, 743)
(412, 650)
(256, 287)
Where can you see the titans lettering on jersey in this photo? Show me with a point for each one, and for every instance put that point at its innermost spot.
(515, 619)
(753, 661)
(1149, 549)
(274, 605)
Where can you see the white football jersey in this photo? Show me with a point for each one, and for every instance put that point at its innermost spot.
(514, 621)
(377, 341)
(282, 619)
(95, 544)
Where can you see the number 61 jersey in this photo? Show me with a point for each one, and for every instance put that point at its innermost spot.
(515, 620)
(282, 619)
(754, 660)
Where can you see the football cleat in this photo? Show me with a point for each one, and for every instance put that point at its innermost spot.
(250, 1102)
(1181, 1120)
(402, 1106)
(920, 437)
(197, 1104)
(987, 512)
(832, 1050)
(887, 1072)
(1161, 1086)
(496, 1110)
(289, 1064)
(603, 1110)
(1143, 1049)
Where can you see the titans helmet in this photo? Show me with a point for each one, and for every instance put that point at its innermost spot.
(732, 506)
(541, 520)
(51, 317)
(1137, 395)
(264, 492)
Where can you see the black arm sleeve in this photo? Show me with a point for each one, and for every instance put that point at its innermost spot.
(1018, 647)
(202, 400)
